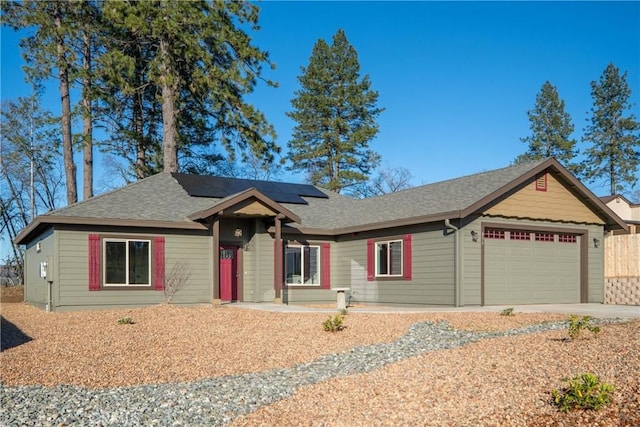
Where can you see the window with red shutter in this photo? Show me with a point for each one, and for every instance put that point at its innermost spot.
(94, 262)
(325, 259)
(158, 263)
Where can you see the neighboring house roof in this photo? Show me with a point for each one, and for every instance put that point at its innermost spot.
(607, 199)
(161, 201)
(630, 214)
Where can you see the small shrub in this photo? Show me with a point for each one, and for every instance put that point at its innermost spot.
(334, 324)
(343, 311)
(125, 321)
(584, 391)
(577, 324)
(507, 312)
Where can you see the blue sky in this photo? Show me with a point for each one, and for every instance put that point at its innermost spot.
(456, 78)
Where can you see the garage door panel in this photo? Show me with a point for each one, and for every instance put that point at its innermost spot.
(530, 271)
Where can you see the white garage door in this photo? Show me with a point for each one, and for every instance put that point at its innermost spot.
(522, 267)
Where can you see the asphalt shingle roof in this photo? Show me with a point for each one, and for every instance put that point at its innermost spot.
(156, 198)
(161, 198)
(453, 195)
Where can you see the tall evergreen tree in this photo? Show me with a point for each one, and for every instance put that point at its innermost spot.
(336, 112)
(202, 64)
(551, 129)
(613, 133)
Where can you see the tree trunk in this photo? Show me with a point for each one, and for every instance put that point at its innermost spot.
(138, 124)
(169, 127)
(67, 147)
(87, 189)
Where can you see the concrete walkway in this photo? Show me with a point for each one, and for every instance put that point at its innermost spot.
(594, 310)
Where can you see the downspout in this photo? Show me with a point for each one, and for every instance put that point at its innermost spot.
(456, 262)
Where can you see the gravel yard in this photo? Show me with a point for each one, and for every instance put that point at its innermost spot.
(220, 365)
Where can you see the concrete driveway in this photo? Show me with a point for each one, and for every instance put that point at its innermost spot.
(594, 310)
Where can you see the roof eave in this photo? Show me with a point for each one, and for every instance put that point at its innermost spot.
(25, 235)
(374, 226)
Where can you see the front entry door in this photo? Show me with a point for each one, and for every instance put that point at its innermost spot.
(228, 273)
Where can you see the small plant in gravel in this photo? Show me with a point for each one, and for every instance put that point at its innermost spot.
(584, 391)
(507, 312)
(334, 323)
(343, 311)
(125, 321)
(577, 324)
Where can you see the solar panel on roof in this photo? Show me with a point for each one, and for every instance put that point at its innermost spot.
(220, 187)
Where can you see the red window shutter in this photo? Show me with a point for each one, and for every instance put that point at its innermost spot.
(325, 259)
(158, 263)
(94, 262)
(370, 260)
(407, 257)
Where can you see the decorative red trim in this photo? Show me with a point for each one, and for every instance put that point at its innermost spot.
(325, 259)
(158, 263)
(407, 257)
(492, 233)
(541, 182)
(545, 237)
(519, 235)
(370, 261)
(278, 263)
(567, 238)
(94, 262)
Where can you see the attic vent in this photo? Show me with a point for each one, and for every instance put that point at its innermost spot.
(541, 182)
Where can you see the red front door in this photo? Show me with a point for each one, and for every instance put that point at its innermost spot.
(228, 273)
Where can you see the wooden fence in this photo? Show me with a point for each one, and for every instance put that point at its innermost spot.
(622, 256)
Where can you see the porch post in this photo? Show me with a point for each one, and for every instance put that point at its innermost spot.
(278, 268)
(216, 259)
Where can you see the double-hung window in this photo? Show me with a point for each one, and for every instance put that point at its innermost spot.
(302, 265)
(389, 258)
(127, 262)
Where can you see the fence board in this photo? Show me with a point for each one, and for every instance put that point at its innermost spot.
(622, 255)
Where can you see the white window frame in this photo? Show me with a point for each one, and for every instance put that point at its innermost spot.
(319, 252)
(389, 260)
(104, 263)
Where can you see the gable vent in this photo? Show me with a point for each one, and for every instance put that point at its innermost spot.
(541, 182)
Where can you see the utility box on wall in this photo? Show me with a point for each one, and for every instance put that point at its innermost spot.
(46, 269)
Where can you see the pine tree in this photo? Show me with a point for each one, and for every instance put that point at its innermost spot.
(551, 129)
(202, 64)
(336, 112)
(615, 149)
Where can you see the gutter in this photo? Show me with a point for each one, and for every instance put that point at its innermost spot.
(457, 264)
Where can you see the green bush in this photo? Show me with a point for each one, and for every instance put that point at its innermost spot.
(507, 312)
(583, 391)
(334, 324)
(577, 324)
(343, 311)
(125, 321)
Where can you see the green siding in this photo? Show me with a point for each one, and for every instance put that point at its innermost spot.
(35, 286)
(264, 261)
(432, 272)
(596, 265)
(73, 292)
(472, 266)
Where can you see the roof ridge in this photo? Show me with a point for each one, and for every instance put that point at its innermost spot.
(531, 164)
